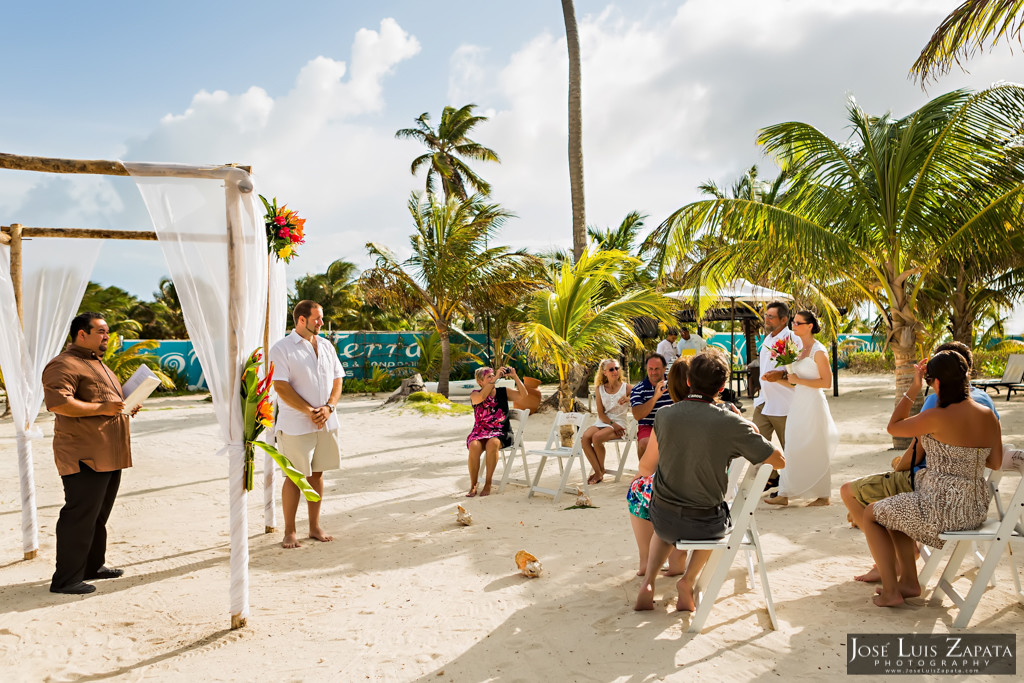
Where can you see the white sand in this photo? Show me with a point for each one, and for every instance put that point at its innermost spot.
(405, 594)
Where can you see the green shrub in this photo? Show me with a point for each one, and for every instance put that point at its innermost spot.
(429, 403)
(871, 361)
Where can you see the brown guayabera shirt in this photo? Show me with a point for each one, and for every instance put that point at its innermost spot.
(100, 441)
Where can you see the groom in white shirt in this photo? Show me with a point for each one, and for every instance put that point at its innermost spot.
(772, 405)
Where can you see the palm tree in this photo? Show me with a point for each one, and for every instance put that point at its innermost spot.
(448, 146)
(579, 213)
(450, 271)
(161, 318)
(965, 31)
(115, 305)
(880, 212)
(574, 321)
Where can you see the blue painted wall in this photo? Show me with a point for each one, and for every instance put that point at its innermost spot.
(359, 351)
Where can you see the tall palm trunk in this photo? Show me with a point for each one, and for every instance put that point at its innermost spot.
(903, 341)
(579, 215)
(961, 320)
(446, 360)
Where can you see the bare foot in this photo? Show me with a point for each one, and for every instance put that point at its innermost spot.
(777, 500)
(472, 491)
(486, 490)
(319, 534)
(685, 602)
(872, 575)
(818, 502)
(290, 541)
(676, 564)
(643, 569)
(849, 518)
(891, 598)
(595, 478)
(910, 590)
(645, 599)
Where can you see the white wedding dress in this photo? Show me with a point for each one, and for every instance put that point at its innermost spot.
(811, 436)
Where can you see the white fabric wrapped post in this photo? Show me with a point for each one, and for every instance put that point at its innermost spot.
(277, 322)
(54, 280)
(213, 239)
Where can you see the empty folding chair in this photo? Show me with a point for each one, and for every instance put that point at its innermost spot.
(574, 454)
(744, 535)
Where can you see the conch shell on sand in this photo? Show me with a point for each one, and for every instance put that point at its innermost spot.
(529, 565)
(463, 517)
(582, 498)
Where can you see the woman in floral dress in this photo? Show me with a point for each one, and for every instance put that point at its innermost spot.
(490, 426)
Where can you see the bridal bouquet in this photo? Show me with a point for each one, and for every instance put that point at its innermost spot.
(784, 351)
(284, 229)
(257, 415)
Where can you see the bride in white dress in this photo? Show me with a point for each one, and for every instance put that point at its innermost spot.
(811, 435)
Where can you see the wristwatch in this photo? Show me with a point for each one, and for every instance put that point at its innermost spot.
(330, 407)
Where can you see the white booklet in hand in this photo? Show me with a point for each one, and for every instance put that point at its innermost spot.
(138, 387)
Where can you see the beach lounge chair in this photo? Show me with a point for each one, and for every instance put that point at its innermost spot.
(744, 535)
(998, 534)
(622, 447)
(1012, 377)
(574, 454)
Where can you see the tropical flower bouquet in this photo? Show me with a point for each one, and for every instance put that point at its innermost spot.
(284, 229)
(258, 414)
(784, 351)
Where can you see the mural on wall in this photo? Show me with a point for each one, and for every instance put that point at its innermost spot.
(395, 351)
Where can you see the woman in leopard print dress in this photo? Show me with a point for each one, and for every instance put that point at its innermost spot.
(960, 438)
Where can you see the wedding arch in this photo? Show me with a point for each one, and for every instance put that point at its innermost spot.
(209, 225)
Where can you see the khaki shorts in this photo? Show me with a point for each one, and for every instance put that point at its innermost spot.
(313, 452)
(876, 487)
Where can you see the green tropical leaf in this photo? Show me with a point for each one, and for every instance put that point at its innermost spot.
(296, 477)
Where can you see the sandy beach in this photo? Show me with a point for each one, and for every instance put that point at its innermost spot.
(405, 594)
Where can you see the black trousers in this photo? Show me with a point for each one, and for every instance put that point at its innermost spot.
(82, 527)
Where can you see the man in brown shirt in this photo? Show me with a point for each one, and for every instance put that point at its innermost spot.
(91, 447)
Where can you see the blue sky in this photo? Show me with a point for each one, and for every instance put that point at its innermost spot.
(310, 94)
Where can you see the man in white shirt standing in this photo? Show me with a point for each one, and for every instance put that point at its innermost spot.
(772, 405)
(690, 342)
(667, 347)
(307, 379)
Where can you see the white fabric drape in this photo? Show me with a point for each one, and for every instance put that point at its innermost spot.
(55, 273)
(212, 236)
(277, 320)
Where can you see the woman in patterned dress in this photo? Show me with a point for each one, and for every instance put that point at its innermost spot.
(960, 438)
(490, 426)
(612, 394)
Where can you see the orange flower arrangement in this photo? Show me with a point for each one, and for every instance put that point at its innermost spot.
(284, 229)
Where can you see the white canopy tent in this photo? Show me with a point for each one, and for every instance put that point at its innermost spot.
(209, 225)
(738, 291)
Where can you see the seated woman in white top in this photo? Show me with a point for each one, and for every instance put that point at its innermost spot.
(612, 408)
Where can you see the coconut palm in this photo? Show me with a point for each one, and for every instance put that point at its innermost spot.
(451, 271)
(965, 31)
(579, 213)
(574, 320)
(115, 305)
(448, 145)
(881, 212)
(123, 362)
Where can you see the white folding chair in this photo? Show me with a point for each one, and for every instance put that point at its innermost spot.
(508, 453)
(743, 535)
(933, 556)
(998, 534)
(579, 422)
(622, 447)
(736, 469)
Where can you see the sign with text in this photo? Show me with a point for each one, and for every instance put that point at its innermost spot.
(934, 654)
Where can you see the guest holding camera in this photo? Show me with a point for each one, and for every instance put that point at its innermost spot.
(491, 429)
